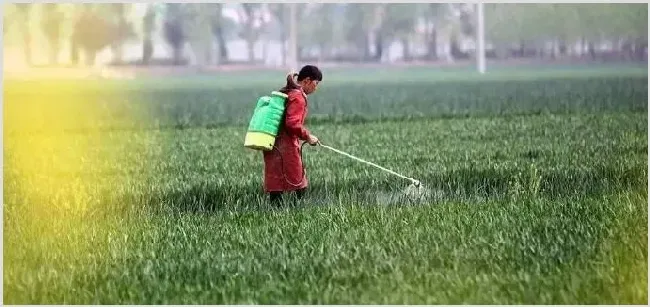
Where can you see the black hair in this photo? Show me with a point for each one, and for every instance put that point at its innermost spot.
(311, 72)
(307, 71)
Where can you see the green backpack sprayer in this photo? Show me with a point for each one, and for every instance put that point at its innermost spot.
(265, 123)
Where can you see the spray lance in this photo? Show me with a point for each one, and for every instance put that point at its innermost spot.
(414, 182)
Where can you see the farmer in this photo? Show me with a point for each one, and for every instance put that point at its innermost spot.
(283, 168)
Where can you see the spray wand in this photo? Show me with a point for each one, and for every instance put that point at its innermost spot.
(414, 182)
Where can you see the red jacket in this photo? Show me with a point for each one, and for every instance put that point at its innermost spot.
(283, 168)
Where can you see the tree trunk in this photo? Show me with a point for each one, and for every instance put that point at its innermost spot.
(91, 56)
(432, 48)
(217, 30)
(206, 48)
(178, 50)
(406, 50)
(554, 50)
(147, 43)
(321, 52)
(250, 44)
(117, 53)
(209, 57)
(640, 50)
(366, 47)
(592, 50)
(25, 9)
(626, 49)
(562, 48)
(265, 48)
(74, 51)
(120, 36)
(223, 48)
(379, 47)
(455, 48)
(283, 39)
(54, 52)
(147, 50)
(27, 46)
(501, 51)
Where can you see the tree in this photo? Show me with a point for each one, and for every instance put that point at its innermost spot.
(218, 30)
(175, 33)
(627, 24)
(279, 11)
(97, 26)
(399, 24)
(51, 23)
(8, 20)
(122, 29)
(148, 26)
(92, 32)
(434, 16)
(528, 25)
(24, 17)
(198, 19)
(567, 28)
(378, 13)
(318, 28)
(251, 15)
(361, 23)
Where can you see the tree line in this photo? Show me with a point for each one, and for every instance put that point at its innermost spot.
(336, 32)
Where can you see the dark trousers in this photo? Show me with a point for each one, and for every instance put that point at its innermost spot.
(277, 198)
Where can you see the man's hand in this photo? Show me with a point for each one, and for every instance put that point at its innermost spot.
(313, 140)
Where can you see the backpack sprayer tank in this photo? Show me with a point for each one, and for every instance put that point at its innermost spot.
(265, 122)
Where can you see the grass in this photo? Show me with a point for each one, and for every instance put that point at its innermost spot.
(525, 206)
(455, 252)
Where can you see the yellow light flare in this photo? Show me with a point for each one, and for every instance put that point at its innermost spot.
(60, 179)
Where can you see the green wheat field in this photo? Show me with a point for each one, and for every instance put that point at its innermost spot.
(141, 192)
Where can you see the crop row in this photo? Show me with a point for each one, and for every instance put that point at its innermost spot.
(184, 107)
(546, 155)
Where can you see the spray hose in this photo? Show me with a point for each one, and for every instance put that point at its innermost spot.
(282, 163)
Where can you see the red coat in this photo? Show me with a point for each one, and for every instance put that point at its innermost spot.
(284, 159)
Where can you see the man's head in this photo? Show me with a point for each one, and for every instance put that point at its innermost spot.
(309, 77)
